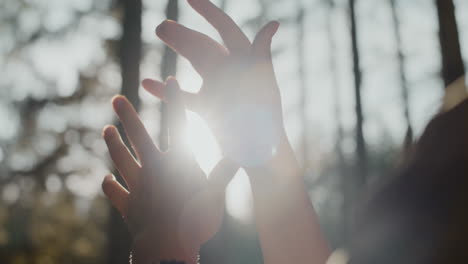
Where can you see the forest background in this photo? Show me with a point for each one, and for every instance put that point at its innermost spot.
(359, 80)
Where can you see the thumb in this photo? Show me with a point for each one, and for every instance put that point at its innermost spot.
(261, 46)
(222, 174)
(116, 193)
(160, 90)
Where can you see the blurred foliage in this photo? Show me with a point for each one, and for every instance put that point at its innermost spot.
(58, 75)
(53, 229)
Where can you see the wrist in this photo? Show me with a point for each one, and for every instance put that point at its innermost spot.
(283, 165)
(149, 251)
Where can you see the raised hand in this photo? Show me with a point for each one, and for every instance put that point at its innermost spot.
(240, 100)
(171, 208)
(239, 97)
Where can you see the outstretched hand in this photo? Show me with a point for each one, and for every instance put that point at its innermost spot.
(239, 85)
(171, 208)
(241, 102)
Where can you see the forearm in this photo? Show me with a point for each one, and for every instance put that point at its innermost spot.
(288, 226)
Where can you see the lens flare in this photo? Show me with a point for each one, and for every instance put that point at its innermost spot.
(202, 143)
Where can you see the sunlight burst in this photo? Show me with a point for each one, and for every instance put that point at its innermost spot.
(202, 143)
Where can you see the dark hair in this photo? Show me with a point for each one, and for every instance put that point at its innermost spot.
(421, 214)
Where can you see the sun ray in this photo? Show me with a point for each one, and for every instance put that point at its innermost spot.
(202, 143)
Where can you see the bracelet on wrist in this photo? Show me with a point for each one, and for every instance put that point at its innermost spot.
(163, 261)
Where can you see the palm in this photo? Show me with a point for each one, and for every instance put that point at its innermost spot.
(237, 80)
(170, 202)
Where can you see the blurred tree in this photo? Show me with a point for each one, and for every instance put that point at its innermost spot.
(452, 61)
(130, 57)
(360, 176)
(51, 57)
(168, 68)
(339, 131)
(361, 152)
(222, 4)
(301, 58)
(402, 72)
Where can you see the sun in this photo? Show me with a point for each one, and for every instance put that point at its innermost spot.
(201, 142)
(203, 145)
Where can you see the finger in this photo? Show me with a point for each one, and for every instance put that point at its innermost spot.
(155, 88)
(222, 174)
(121, 156)
(234, 39)
(116, 194)
(261, 47)
(134, 128)
(202, 51)
(159, 90)
(176, 113)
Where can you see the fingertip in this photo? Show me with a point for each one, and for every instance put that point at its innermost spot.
(154, 87)
(108, 131)
(147, 82)
(266, 33)
(115, 97)
(117, 195)
(106, 181)
(118, 102)
(275, 24)
(109, 177)
(151, 83)
(271, 28)
(162, 29)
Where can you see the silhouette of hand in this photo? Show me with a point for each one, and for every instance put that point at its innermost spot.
(239, 97)
(170, 207)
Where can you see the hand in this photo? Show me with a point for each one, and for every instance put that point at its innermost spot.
(171, 208)
(239, 97)
(241, 102)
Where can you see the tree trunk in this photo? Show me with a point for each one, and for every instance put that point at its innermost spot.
(302, 83)
(452, 62)
(403, 80)
(339, 131)
(130, 56)
(168, 68)
(222, 5)
(361, 151)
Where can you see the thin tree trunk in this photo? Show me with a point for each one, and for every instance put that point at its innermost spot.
(168, 68)
(222, 5)
(339, 131)
(452, 61)
(302, 82)
(403, 80)
(130, 56)
(361, 151)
